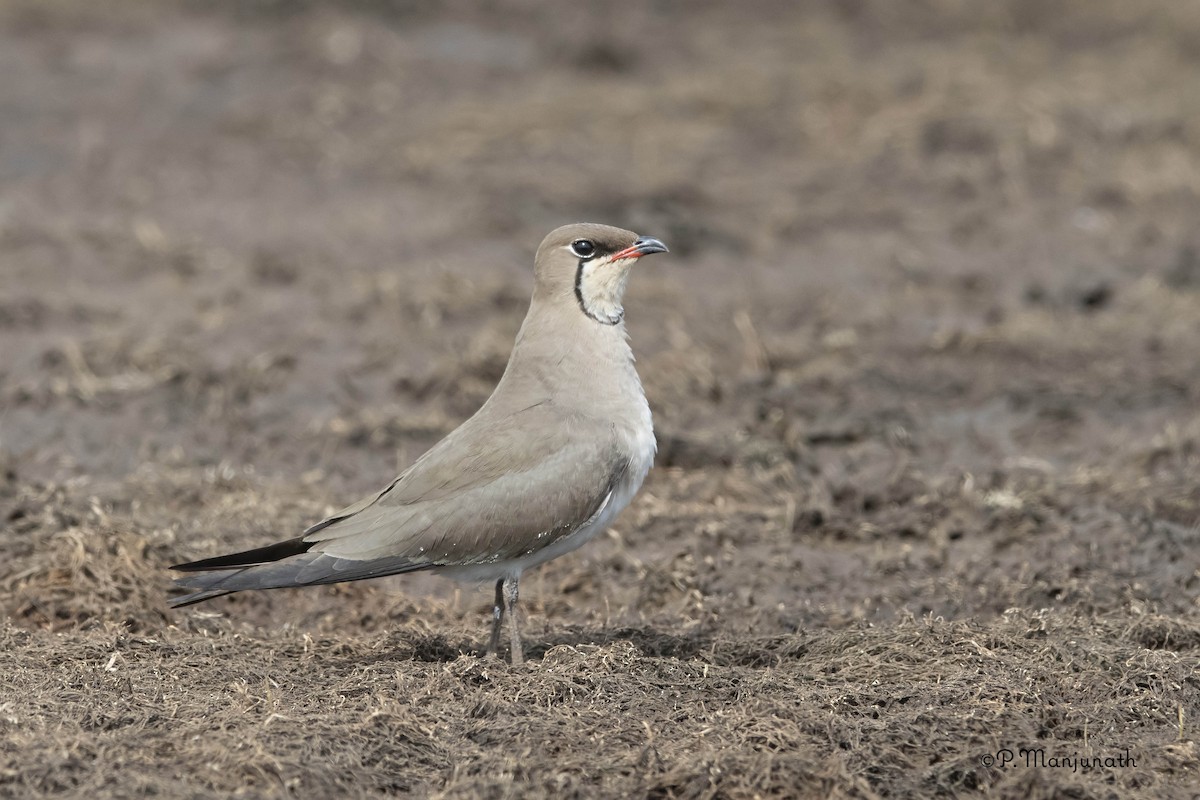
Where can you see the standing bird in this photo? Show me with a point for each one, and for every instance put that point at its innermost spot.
(557, 451)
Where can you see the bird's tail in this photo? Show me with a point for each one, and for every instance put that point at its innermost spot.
(221, 570)
(196, 597)
(280, 566)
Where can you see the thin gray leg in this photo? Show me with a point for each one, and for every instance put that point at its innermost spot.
(514, 627)
(497, 619)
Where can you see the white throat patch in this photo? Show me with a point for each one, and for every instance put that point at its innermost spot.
(600, 287)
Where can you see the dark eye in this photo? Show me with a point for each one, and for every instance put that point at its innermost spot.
(583, 248)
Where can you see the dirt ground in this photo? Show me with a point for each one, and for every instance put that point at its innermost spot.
(925, 520)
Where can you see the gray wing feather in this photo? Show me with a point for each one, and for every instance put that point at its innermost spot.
(481, 496)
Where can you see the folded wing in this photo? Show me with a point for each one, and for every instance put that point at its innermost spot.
(491, 491)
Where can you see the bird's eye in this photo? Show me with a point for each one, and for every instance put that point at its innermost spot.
(583, 248)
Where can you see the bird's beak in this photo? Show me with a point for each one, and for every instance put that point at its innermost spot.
(644, 246)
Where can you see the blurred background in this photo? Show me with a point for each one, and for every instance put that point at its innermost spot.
(926, 343)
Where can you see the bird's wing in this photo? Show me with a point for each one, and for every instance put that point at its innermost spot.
(496, 488)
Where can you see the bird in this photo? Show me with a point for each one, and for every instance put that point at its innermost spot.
(559, 448)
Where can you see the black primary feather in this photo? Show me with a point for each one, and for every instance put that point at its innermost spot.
(248, 558)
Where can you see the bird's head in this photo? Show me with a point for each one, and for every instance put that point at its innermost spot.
(590, 263)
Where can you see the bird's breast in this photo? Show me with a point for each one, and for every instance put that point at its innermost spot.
(636, 429)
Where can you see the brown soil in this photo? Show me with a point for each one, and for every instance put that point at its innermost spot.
(923, 365)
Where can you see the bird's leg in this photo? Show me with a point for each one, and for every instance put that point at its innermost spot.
(514, 627)
(497, 618)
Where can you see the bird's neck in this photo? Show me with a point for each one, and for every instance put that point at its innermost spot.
(575, 357)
